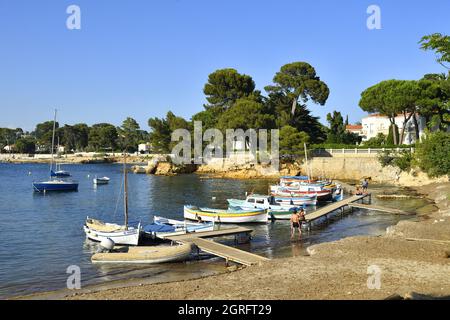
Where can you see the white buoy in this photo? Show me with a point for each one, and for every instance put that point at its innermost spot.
(107, 244)
(214, 198)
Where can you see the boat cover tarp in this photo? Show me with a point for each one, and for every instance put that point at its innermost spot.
(296, 177)
(154, 227)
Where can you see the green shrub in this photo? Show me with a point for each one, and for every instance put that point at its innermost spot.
(386, 158)
(403, 160)
(375, 142)
(433, 154)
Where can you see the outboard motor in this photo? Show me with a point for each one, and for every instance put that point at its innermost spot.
(106, 245)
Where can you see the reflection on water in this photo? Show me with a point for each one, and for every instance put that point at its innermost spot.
(43, 233)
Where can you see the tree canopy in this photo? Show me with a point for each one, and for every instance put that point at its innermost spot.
(226, 86)
(246, 114)
(434, 102)
(103, 136)
(298, 80)
(338, 133)
(161, 131)
(440, 44)
(292, 141)
(390, 98)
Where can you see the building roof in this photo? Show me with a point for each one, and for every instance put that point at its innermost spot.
(353, 127)
(378, 115)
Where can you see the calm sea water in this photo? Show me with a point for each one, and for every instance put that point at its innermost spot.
(42, 235)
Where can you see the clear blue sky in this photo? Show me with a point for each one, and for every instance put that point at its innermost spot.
(143, 58)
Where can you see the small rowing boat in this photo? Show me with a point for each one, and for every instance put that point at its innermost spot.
(225, 215)
(144, 254)
(103, 180)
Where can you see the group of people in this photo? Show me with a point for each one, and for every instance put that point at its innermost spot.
(297, 218)
(363, 189)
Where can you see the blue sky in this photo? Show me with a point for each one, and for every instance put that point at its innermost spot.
(143, 58)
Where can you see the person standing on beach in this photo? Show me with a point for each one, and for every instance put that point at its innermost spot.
(295, 224)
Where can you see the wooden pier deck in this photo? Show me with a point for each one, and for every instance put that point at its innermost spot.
(227, 252)
(323, 212)
(378, 208)
(221, 232)
(218, 249)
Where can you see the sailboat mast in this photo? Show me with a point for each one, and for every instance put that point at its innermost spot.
(125, 193)
(306, 157)
(53, 140)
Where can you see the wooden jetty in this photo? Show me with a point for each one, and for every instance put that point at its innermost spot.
(218, 249)
(221, 232)
(378, 208)
(325, 211)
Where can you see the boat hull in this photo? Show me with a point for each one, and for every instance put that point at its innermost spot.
(325, 195)
(124, 237)
(225, 216)
(101, 181)
(279, 215)
(296, 201)
(52, 186)
(178, 228)
(145, 255)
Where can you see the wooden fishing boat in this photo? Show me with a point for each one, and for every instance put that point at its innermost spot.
(304, 190)
(97, 230)
(305, 200)
(144, 254)
(163, 227)
(270, 202)
(225, 215)
(275, 210)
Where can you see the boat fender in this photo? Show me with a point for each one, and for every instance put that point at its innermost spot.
(107, 244)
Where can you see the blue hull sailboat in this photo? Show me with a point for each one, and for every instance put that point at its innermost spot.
(55, 185)
(58, 181)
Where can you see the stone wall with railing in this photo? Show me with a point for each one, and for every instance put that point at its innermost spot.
(354, 152)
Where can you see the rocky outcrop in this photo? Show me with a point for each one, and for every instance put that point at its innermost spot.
(239, 168)
(164, 167)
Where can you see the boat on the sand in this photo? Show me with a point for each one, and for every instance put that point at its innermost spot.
(144, 254)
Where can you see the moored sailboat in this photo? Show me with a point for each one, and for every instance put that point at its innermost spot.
(121, 234)
(57, 180)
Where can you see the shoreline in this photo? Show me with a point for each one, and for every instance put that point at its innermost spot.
(333, 270)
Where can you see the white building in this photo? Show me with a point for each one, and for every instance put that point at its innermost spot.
(374, 124)
(8, 148)
(144, 148)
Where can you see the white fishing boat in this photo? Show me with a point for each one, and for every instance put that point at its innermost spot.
(121, 234)
(144, 254)
(102, 180)
(163, 227)
(275, 210)
(225, 215)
